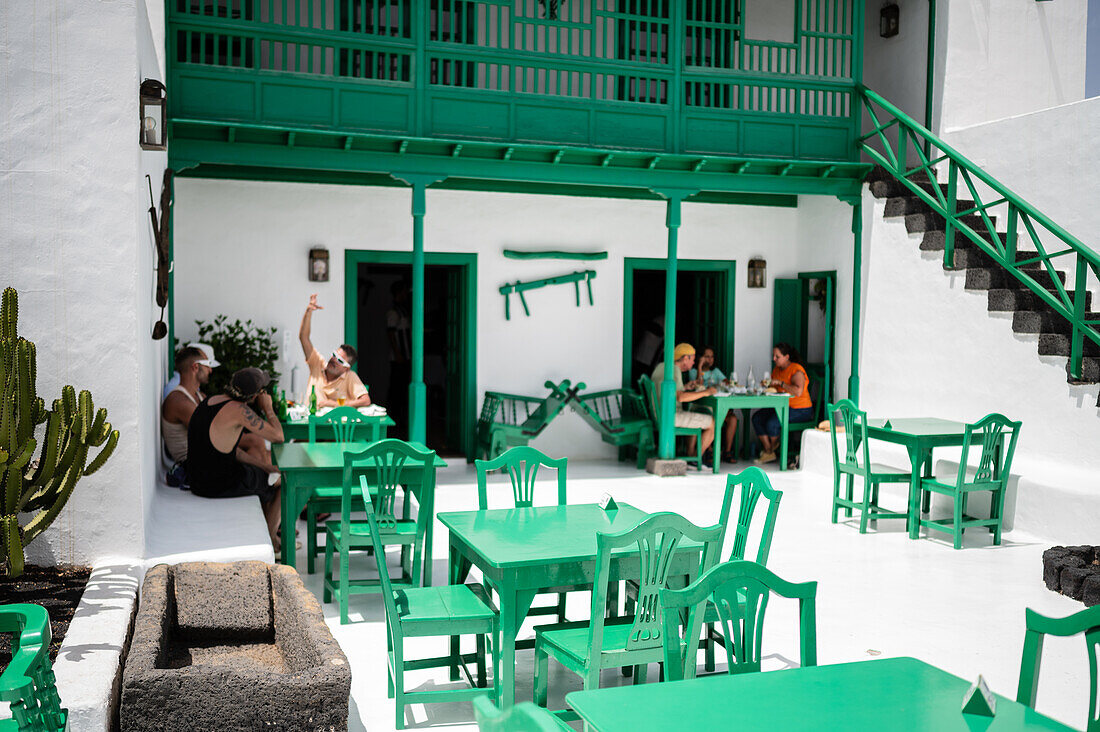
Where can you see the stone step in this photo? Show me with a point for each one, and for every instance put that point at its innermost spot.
(997, 277)
(1003, 300)
(933, 240)
(1056, 344)
(1025, 321)
(885, 185)
(928, 221)
(1090, 371)
(903, 205)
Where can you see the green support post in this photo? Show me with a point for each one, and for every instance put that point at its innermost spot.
(857, 295)
(666, 448)
(418, 393)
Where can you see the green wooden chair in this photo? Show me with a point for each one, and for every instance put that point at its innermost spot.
(28, 684)
(417, 612)
(991, 432)
(522, 465)
(649, 392)
(619, 416)
(1087, 622)
(339, 425)
(750, 485)
(523, 717)
(856, 463)
(513, 420)
(389, 458)
(739, 591)
(628, 641)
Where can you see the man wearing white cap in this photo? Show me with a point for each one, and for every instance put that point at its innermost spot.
(194, 366)
(208, 352)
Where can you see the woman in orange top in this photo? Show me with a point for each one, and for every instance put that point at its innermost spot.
(789, 376)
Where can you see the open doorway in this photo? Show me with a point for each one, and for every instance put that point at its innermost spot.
(704, 311)
(805, 316)
(377, 321)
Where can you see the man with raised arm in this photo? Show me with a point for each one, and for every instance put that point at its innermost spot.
(333, 379)
(216, 465)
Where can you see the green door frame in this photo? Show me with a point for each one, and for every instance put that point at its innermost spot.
(633, 264)
(354, 257)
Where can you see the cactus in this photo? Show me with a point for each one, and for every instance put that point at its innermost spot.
(72, 428)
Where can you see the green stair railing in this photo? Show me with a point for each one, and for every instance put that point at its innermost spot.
(27, 684)
(898, 136)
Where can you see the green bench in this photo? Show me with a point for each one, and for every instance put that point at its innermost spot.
(510, 420)
(28, 684)
(619, 416)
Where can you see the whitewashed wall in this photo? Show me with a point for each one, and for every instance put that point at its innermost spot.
(241, 249)
(896, 67)
(931, 349)
(1009, 57)
(74, 244)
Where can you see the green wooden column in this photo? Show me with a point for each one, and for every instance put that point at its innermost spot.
(418, 393)
(666, 447)
(857, 295)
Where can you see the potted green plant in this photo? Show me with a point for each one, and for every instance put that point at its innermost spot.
(238, 345)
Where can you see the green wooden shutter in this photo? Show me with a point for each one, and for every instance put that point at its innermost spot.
(789, 313)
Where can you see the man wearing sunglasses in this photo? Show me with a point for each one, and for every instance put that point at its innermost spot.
(332, 378)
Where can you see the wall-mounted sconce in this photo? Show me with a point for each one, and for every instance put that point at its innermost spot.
(153, 115)
(758, 270)
(889, 20)
(318, 264)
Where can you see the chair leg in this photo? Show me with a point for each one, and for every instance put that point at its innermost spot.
(399, 682)
(708, 651)
(311, 537)
(958, 529)
(344, 586)
(868, 489)
(640, 672)
(561, 607)
(328, 570)
(997, 507)
(481, 660)
(542, 669)
(850, 493)
(836, 496)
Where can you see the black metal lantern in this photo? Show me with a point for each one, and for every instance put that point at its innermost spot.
(758, 269)
(889, 20)
(318, 264)
(153, 115)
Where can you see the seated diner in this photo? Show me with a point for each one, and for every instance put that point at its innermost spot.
(708, 375)
(684, 358)
(788, 377)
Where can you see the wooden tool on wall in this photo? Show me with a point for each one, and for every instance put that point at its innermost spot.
(161, 227)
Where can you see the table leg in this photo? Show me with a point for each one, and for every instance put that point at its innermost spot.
(783, 411)
(514, 605)
(720, 413)
(458, 569)
(916, 464)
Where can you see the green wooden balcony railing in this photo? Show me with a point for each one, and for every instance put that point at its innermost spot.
(895, 138)
(677, 76)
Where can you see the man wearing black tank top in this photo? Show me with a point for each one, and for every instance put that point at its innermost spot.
(216, 465)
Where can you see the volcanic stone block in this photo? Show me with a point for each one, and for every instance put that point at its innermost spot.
(1071, 580)
(223, 601)
(293, 676)
(1090, 590)
(1053, 560)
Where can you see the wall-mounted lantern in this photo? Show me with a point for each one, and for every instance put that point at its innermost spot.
(153, 115)
(318, 264)
(889, 19)
(758, 270)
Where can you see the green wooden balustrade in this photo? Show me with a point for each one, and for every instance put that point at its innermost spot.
(894, 138)
(28, 684)
(678, 76)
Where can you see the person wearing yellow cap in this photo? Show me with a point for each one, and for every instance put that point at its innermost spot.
(684, 358)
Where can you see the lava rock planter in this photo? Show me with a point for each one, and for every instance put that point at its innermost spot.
(232, 647)
(1073, 571)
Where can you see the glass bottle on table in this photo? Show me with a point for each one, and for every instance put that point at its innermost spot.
(751, 383)
(313, 399)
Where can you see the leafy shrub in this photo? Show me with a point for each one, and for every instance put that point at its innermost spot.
(238, 345)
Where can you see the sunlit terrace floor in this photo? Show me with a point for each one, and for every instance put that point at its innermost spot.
(879, 595)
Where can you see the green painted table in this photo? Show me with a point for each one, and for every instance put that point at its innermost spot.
(895, 694)
(373, 430)
(305, 466)
(919, 435)
(721, 404)
(524, 550)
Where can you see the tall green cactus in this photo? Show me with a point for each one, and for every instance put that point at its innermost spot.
(72, 428)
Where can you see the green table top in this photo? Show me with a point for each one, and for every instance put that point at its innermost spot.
(883, 694)
(322, 455)
(918, 426)
(748, 399)
(521, 537)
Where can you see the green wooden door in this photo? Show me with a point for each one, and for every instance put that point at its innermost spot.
(789, 313)
(708, 310)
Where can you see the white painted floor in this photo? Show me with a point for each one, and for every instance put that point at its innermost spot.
(879, 595)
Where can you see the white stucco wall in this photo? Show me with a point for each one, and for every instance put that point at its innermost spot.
(70, 210)
(929, 348)
(241, 249)
(896, 67)
(1009, 57)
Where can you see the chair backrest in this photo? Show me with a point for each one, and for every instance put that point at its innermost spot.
(522, 717)
(649, 398)
(28, 683)
(750, 484)
(342, 420)
(740, 591)
(857, 456)
(1087, 622)
(387, 460)
(657, 539)
(995, 460)
(522, 465)
(391, 601)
